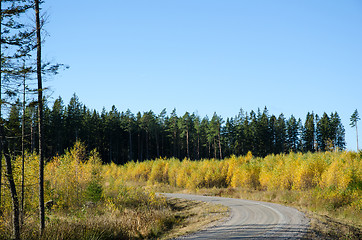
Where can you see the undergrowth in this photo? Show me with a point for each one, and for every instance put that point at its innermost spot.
(84, 201)
(329, 182)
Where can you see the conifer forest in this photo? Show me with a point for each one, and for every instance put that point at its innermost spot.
(123, 136)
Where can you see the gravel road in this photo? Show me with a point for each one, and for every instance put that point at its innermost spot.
(251, 220)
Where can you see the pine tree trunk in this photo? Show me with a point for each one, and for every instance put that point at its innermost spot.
(4, 149)
(157, 145)
(32, 142)
(139, 146)
(198, 147)
(162, 145)
(147, 150)
(174, 143)
(187, 143)
(110, 149)
(14, 195)
(130, 145)
(209, 149)
(357, 136)
(1, 170)
(22, 154)
(220, 145)
(40, 120)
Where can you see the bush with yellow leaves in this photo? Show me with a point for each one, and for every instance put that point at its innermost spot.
(331, 176)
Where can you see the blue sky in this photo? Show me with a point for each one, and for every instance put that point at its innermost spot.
(209, 56)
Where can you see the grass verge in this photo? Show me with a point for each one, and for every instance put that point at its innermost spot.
(326, 223)
(111, 219)
(194, 216)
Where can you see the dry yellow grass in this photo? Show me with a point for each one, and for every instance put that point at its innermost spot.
(91, 201)
(194, 216)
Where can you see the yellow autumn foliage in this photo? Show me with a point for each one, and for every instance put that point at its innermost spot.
(68, 176)
(339, 171)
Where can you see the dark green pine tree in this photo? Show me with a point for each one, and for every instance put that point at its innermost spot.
(112, 123)
(215, 135)
(86, 131)
(280, 134)
(205, 143)
(251, 134)
(96, 131)
(155, 133)
(337, 132)
(272, 129)
(139, 137)
(197, 145)
(308, 134)
(292, 139)
(13, 128)
(185, 126)
(263, 133)
(48, 148)
(73, 119)
(229, 133)
(173, 132)
(30, 126)
(129, 125)
(148, 125)
(323, 133)
(161, 121)
(57, 126)
(240, 124)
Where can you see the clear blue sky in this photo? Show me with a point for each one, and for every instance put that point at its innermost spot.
(209, 56)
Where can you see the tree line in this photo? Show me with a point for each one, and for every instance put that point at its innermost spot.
(120, 137)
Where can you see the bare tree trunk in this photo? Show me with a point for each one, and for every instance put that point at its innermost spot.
(174, 143)
(23, 153)
(110, 150)
(40, 120)
(209, 149)
(357, 136)
(1, 170)
(157, 145)
(220, 145)
(5, 150)
(162, 152)
(187, 144)
(198, 147)
(147, 150)
(130, 145)
(32, 144)
(14, 195)
(139, 146)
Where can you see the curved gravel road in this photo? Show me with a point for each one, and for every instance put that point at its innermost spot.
(251, 220)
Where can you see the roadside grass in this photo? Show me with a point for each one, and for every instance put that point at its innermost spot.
(326, 223)
(194, 216)
(180, 217)
(102, 220)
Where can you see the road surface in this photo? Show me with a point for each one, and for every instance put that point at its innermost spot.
(251, 220)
